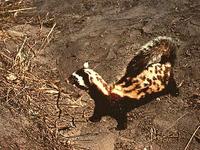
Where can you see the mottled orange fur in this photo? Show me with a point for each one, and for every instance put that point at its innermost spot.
(151, 80)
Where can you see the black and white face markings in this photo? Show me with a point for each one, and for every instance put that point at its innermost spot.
(80, 78)
(85, 78)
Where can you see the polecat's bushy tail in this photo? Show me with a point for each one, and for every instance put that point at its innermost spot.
(159, 50)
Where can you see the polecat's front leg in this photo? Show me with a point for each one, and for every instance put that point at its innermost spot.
(121, 121)
(97, 114)
(100, 109)
(119, 113)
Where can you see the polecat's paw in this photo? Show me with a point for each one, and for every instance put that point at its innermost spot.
(121, 126)
(95, 118)
(174, 92)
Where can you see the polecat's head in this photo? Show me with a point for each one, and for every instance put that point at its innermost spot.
(86, 78)
(81, 78)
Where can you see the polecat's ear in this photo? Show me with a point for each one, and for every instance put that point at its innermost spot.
(86, 65)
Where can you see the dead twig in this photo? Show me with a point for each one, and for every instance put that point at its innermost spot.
(17, 10)
(57, 105)
(4, 55)
(18, 56)
(173, 124)
(186, 147)
(180, 84)
(46, 41)
(25, 39)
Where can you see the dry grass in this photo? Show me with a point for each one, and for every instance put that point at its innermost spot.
(28, 88)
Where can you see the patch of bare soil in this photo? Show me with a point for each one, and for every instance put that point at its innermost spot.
(45, 42)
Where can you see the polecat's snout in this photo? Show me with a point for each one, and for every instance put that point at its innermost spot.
(71, 80)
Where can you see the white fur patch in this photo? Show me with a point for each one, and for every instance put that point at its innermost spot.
(79, 80)
(155, 59)
(86, 65)
(151, 43)
(163, 38)
(147, 45)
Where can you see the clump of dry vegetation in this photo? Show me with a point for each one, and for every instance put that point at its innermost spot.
(29, 90)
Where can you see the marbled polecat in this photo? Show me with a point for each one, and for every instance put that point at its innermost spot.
(149, 72)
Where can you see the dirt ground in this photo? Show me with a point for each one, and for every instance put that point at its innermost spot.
(107, 34)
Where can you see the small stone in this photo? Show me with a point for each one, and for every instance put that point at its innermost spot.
(11, 77)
